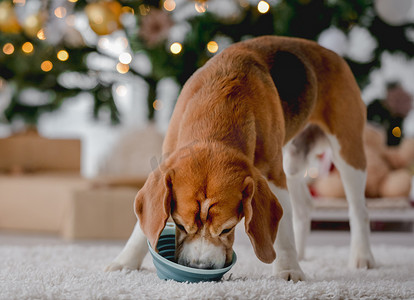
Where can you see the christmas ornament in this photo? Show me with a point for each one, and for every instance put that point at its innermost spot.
(393, 12)
(8, 19)
(104, 17)
(155, 27)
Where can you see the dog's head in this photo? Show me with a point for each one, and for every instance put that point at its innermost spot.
(208, 192)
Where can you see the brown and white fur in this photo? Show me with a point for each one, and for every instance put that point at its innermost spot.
(240, 138)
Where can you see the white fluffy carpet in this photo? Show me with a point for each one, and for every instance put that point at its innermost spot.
(76, 272)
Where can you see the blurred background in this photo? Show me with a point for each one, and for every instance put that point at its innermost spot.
(87, 89)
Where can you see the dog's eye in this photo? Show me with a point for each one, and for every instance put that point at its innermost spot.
(181, 227)
(225, 231)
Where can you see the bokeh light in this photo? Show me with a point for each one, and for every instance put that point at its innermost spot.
(122, 68)
(60, 12)
(176, 48)
(41, 34)
(263, 7)
(122, 41)
(121, 90)
(63, 55)
(8, 48)
(396, 131)
(212, 47)
(125, 58)
(169, 5)
(46, 66)
(201, 7)
(27, 47)
(158, 105)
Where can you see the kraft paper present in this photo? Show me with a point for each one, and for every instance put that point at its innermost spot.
(29, 152)
(37, 202)
(100, 213)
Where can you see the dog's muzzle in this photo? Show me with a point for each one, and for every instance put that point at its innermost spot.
(201, 254)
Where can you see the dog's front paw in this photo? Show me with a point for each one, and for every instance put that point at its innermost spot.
(361, 261)
(118, 266)
(294, 275)
(288, 270)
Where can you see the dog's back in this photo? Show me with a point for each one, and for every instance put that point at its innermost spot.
(270, 87)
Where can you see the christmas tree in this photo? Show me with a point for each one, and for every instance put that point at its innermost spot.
(53, 50)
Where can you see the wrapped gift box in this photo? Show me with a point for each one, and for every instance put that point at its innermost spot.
(29, 152)
(37, 202)
(100, 213)
(68, 205)
(41, 190)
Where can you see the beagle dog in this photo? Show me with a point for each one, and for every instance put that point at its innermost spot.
(242, 133)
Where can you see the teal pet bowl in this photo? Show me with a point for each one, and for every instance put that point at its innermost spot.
(168, 269)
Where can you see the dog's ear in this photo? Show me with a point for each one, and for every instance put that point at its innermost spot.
(153, 204)
(262, 213)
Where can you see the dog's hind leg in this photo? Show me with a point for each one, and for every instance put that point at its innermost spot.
(353, 176)
(133, 252)
(296, 157)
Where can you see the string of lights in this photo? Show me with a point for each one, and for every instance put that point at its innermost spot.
(98, 17)
(175, 36)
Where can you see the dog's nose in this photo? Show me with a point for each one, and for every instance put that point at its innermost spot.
(200, 265)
